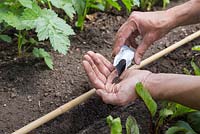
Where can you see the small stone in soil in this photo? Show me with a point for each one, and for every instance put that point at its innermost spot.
(46, 94)
(58, 94)
(13, 95)
(4, 105)
(29, 98)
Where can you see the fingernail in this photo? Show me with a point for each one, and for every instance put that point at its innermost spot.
(137, 61)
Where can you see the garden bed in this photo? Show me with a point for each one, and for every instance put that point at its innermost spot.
(28, 89)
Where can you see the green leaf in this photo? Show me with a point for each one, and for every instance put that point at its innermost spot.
(80, 7)
(66, 5)
(163, 114)
(98, 6)
(146, 97)
(49, 62)
(41, 53)
(196, 48)
(109, 120)
(194, 120)
(128, 4)
(196, 68)
(186, 126)
(5, 38)
(136, 3)
(174, 130)
(179, 110)
(114, 4)
(49, 25)
(115, 125)
(131, 126)
(181, 126)
(186, 71)
(165, 3)
(26, 3)
(13, 20)
(29, 17)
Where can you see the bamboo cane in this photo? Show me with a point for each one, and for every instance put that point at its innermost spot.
(64, 108)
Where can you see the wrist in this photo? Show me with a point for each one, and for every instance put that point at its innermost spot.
(151, 84)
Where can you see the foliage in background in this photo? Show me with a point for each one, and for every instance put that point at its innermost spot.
(25, 15)
(84, 6)
(169, 111)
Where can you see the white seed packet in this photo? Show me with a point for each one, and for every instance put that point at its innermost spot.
(125, 53)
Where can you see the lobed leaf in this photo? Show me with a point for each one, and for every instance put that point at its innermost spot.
(49, 25)
(13, 20)
(41, 53)
(146, 97)
(29, 17)
(5, 38)
(26, 3)
(66, 5)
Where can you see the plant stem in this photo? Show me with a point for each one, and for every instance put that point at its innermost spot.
(19, 43)
(85, 13)
(49, 4)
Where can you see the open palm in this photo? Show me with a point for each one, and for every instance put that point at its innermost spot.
(101, 74)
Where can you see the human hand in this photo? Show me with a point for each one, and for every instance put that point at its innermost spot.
(150, 25)
(101, 74)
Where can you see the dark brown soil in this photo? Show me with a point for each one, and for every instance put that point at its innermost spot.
(29, 90)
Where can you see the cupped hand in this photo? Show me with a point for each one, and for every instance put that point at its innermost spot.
(150, 25)
(101, 74)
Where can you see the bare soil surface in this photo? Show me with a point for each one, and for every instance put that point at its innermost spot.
(28, 89)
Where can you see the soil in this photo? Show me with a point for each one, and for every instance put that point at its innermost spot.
(28, 89)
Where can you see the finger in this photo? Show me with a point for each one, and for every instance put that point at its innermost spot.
(107, 63)
(96, 82)
(131, 40)
(122, 35)
(141, 49)
(109, 84)
(99, 63)
(108, 98)
(96, 70)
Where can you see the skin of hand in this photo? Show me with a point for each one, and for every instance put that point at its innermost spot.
(153, 25)
(183, 89)
(101, 74)
(150, 25)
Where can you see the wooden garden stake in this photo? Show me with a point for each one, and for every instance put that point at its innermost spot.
(66, 107)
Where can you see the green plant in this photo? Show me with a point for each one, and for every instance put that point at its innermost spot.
(116, 126)
(168, 112)
(148, 4)
(26, 15)
(84, 6)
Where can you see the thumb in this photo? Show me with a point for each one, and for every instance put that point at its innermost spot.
(141, 49)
